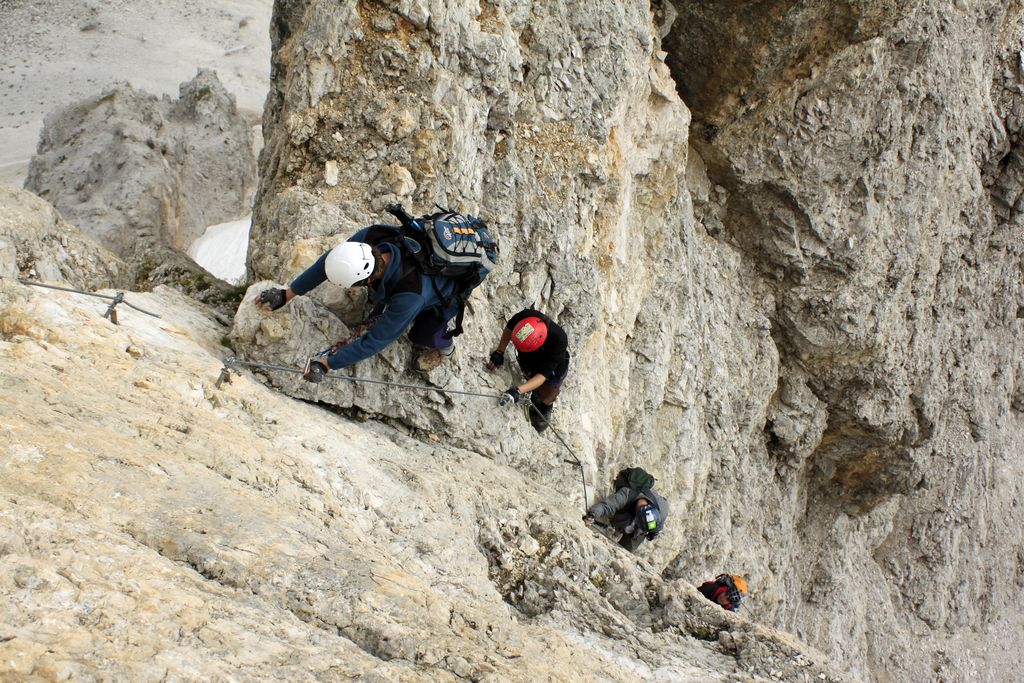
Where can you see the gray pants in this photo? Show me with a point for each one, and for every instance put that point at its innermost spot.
(631, 541)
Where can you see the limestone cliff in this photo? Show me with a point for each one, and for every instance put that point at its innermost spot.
(36, 243)
(145, 176)
(867, 170)
(156, 526)
(801, 309)
(785, 241)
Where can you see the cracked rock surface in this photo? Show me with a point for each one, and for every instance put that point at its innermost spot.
(155, 526)
(784, 241)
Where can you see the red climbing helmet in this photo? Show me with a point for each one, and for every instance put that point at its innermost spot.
(529, 334)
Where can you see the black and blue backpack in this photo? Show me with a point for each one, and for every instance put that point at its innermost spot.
(457, 246)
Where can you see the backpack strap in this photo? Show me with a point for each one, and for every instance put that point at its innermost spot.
(457, 330)
(409, 277)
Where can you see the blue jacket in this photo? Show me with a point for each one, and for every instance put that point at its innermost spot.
(400, 303)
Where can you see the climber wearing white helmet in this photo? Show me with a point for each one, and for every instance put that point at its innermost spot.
(402, 295)
(350, 263)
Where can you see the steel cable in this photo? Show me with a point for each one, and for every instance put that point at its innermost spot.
(118, 299)
(231, 363)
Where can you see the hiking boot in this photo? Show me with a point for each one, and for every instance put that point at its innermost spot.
(540, 422)
(430, 359)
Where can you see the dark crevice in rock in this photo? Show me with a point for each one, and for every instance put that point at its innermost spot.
(772, 441)
(857, 467)
(198, 557)
(925, 424)
(357, 414)
(726, 55)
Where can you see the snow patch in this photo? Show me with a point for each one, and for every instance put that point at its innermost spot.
(222, 249)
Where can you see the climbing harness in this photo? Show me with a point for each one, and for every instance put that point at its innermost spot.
(233, 364)
(111, 313)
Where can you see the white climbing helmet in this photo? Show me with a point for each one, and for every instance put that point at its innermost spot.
(349, 263)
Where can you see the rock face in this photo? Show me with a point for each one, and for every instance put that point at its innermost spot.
(37, 244)
(145, 176)
(157, 526)
(866, 175)
(562, 128)
(802, 310)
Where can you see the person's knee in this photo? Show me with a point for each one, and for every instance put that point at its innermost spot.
(431, 331)
(547, 392)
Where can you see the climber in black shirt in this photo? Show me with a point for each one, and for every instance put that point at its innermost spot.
(543, 354)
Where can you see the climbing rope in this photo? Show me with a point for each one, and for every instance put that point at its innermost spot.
(111, 313)
(232, 363)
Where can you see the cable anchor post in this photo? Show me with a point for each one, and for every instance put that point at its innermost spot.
(111, 313)
(225, 372)
(583, 478)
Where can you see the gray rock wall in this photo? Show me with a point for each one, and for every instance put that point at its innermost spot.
(146, 176)
(801, 310)
(865, 175)
(36, 243)
(560, 127)
(158, 524)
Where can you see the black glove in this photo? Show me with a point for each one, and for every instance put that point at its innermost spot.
(314, 371)
(399, 212)
(511, 395)
(498, 358)
(588, 519)
(273, 298)
(651, 535)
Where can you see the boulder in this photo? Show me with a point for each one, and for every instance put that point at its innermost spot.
(146, 176)
(36, 243)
